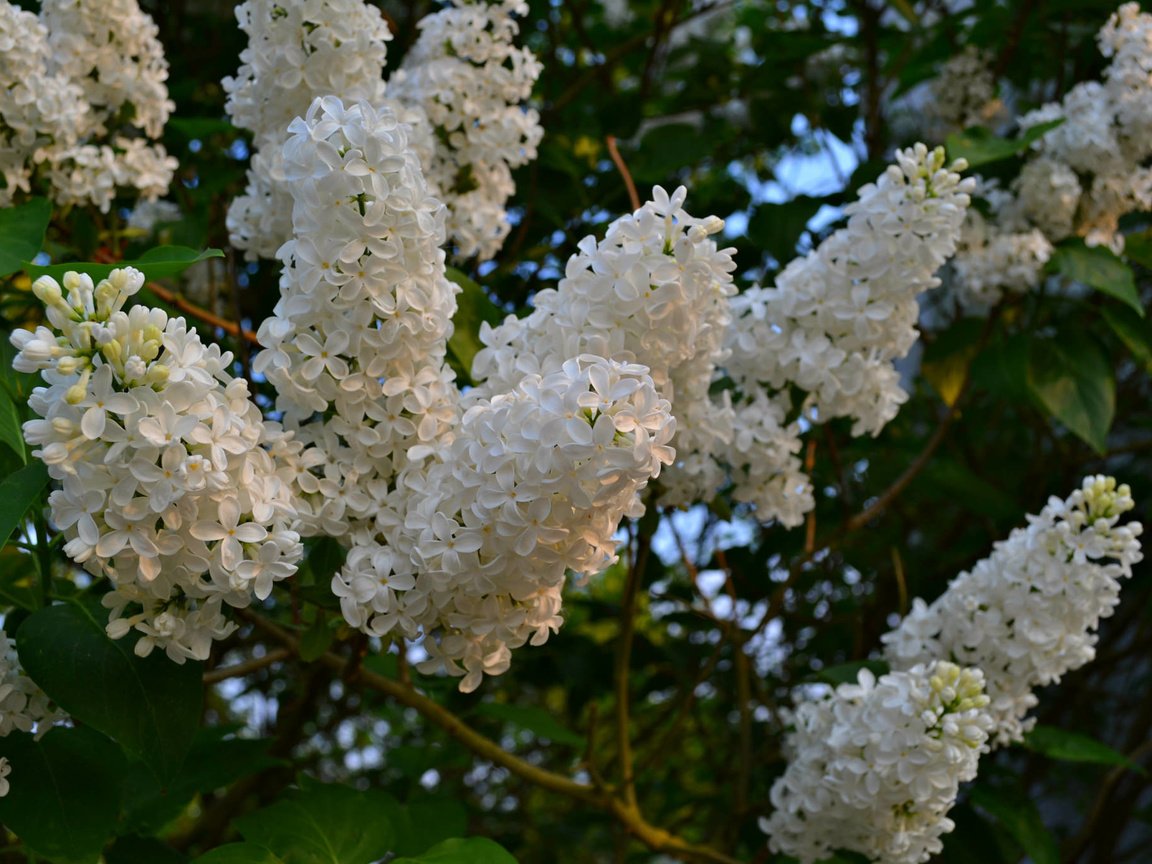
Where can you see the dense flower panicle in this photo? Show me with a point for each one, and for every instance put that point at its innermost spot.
(87, 100)
(1084, 175)
(460, 90)
(166, 486)
(833, 324)
(1028, 613)
(655, 291)
(296, 52)
(461, 516)
(112, 50)
(38, 108)
(24, 707)
(964, 93)
(465, 79)
(874, 767)
(533, 486)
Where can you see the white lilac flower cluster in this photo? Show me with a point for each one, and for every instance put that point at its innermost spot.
(1084, 175)
(656, 290)
(870, 770)
(461, 514)
(296, 52)
(86, 102)
(24, 707)
(466, 80)
(1028, 613)
(460, 89)
(165, 485)
(832, 326)
(964, 93)
(874, 767)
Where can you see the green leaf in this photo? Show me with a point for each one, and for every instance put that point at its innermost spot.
(1019, 817)
(532, 718)
(981, 146)
(1074, 381)
(1138, 248)
(316, 639)
(473, 308)
(150, 705)
(776, 228)
(474, 850)
(907, 10)
(142, 850)
(1134, 331)
(1068, 746)
(1099, 268)
(10, 429)
(238, 853)
(213, 763)
(159, 263)
(949, 357)
(1002, 368)
(424, 822)
(65, 795)
(19, 492)
(325, 824)
(22, 233)
(19, 580)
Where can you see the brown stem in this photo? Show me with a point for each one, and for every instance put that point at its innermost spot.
(601, 797)
(239, 670)
(624, 172)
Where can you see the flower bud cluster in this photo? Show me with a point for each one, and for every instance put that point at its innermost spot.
(460, 89)
(24, 707)
(874, 767)
(87, 104)
(1028, 613)
(466, 79)
(165, 486)
(833, 324)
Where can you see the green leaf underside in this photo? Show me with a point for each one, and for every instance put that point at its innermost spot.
(150, 705)
(22, 233)
(1068, 746)
(980, 146)
(18, 492)
(65, 795)
(10, 429)
(1098, 268)
(325, 824)
(474, 850)
(1073, 380)
(160, 263)
(1020, 819)
(239, 853)
(1134, 331)
(473, 308)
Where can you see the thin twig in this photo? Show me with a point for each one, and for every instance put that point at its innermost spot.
(655, 838)
(238, 670)
(622, 667)
(188, 308)
(624, 172)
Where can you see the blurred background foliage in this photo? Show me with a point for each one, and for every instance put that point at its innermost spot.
(773, 114)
